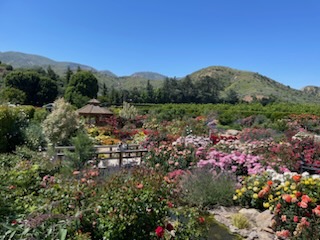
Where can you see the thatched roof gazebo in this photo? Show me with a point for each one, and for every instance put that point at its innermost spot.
(93, 111)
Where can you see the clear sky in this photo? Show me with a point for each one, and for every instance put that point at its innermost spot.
(277, 38)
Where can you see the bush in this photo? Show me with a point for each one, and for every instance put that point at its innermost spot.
(61, 124)
(12, 121)
(205, 189)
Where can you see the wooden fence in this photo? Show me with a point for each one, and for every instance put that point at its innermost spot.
(108, 152)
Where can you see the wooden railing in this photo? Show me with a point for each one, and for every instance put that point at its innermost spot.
(108, 152)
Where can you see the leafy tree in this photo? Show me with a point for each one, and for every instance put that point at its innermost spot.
(61, 123)
(38, 89)
(48, 90)
(208, 90)
(83, 85)
(12, 95)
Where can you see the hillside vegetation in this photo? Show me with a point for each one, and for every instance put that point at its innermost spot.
(245, 85)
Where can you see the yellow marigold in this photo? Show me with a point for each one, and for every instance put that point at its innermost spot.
(293, 187)
(266, 205)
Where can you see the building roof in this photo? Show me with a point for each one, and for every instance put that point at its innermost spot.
(93, 108)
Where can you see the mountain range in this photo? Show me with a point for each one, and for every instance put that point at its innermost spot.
(245, 83)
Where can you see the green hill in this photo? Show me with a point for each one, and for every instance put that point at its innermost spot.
(250, 84)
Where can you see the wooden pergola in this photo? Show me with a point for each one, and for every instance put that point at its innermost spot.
(93, 112)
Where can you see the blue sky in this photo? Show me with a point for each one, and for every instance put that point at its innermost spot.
(277, 38)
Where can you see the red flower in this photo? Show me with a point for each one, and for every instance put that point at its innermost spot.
(201, 219)
(14, 222)
(169, 227)
(296, 219)
(170, 204)
(159, 231)
(298, 194)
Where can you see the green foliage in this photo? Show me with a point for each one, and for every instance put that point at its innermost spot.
(12, 95)
(61, 123)
(83, 151)
(83, 85)
(203, 188)
(12, 121)
(33, 136)
(38, 89)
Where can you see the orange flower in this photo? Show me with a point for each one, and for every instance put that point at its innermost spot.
(287, 198)
(269, 182)
(296, 178)
(306, 198)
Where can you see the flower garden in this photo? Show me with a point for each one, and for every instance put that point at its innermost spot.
(185, 172)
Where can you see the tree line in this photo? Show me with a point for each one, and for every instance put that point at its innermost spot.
(38, 87)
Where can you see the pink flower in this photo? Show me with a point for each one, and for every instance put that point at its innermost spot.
(316, 210)
(283, 218)
(303, 204)
(159, 231)
(283, 233)
(304, 222)
(296, 219)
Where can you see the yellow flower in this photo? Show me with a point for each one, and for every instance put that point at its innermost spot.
(255, 189)
(243, 189)
(235, 197)
(278, 193)
(256, 183)
(285, 189)
(255, 196)
(293, 187)
(249, 187)
(266, 205)
(238, 190)
(240, 194)
(287, 184)
(270, 197)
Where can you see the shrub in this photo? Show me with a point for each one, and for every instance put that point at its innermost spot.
(83, 151)
(12, 121)
(61, 124)
(203, 188)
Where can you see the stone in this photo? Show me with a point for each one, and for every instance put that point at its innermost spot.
(264, 219)
(250, 213)
(253, 235)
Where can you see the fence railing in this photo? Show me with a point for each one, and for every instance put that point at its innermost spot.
(108, 152)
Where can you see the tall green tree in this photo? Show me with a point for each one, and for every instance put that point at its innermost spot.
(83, 85)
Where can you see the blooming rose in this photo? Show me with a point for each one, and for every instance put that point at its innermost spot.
(159, 231)
(296, 219)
